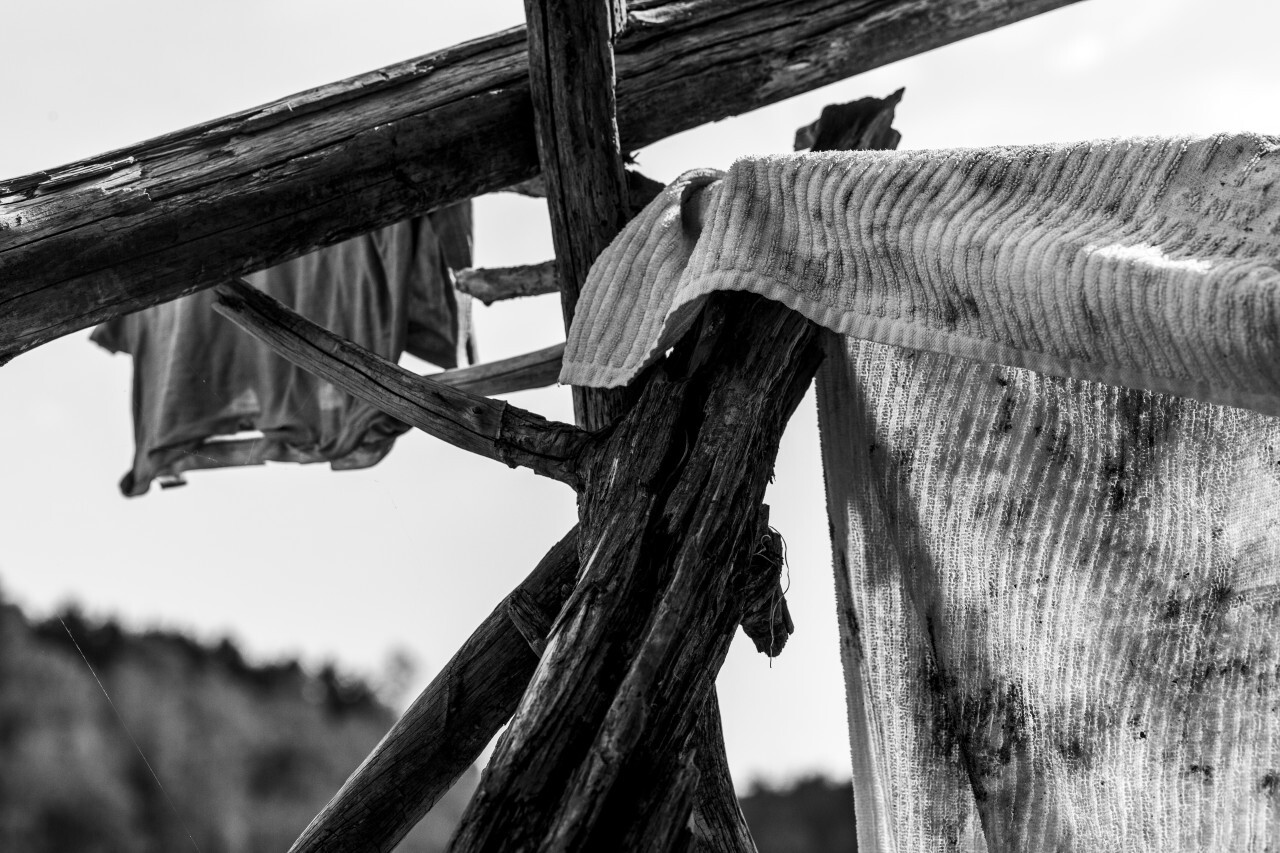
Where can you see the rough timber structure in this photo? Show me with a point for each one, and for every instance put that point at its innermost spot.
(618, 633)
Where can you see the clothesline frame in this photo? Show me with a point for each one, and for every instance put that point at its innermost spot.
(624, 774)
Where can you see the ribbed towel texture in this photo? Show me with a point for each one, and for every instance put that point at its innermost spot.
(1059, 599)
(1148, 263)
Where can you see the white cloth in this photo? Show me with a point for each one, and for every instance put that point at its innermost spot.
(1059, 599)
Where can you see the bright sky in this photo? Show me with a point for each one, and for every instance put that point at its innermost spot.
(415, 552)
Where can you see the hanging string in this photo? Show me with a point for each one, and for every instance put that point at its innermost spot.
(128, 733)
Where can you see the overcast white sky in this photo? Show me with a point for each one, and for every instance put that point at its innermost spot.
(414, 552)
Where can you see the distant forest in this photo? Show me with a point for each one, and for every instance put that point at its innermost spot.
(247, 753)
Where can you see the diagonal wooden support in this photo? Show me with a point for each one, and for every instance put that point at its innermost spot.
(718, 823)
(598, 755)
(490, 428)
(447, 726)
(591, 756)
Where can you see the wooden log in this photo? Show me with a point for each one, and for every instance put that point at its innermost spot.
(492, 285)
(670, 506)
(490, 428)
(536, 369)
(444, 731)
(589, 198)
(642, 636)
(144, 224)
(718, 823)
(571, 81)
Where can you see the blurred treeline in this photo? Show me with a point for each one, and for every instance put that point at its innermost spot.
(813, 815)
(246, 753)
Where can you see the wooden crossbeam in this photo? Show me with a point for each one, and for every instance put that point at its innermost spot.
(490, 428)
(144, 224)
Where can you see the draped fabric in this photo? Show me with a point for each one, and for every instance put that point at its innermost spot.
(1060, 608)
(198, 380)
(1048, 415)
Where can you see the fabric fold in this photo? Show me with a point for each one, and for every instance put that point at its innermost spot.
(1149, 263)
(1052, 470)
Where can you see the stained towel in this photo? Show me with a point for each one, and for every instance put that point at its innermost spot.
(1059, 599)
(198, 380)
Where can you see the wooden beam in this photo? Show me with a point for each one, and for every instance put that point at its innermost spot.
(495, 284)
(144, 224)
(519, 373)
(444, 731)
(490, 428)
(571, 79)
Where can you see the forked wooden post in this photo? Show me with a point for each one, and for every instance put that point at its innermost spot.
(599, 755)
(571, 83)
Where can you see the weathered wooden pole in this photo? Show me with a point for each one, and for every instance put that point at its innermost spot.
(599, 754)
(572, 79)
(130, 228)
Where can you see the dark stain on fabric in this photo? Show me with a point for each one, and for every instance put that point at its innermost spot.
(1172, 610)
(1004, 415)
(1145, 421)
(1204, 771)
(1075, 753)
(1204, 606)
(1118, 479)
(1015, 510)
(1270, 783)
(901, 461)
(957, 306)
(1057, 445)
(945, 735)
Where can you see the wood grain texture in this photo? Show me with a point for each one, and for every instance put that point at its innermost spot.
(669, 510)
(490, 428)
(717, 820)
(670, 514)
(496, 284)
(114, 233)
(571, 81)
(444, 731)
(536, 369)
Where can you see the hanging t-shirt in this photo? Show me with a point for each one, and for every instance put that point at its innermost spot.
(200, 383)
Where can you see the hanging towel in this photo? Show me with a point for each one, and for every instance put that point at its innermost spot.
(1052, 464)
(198, 380)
